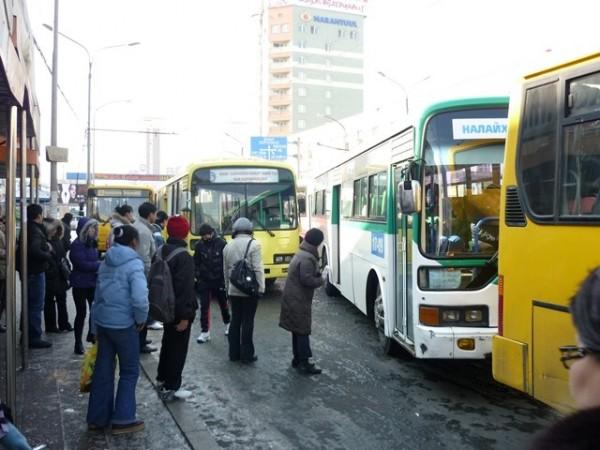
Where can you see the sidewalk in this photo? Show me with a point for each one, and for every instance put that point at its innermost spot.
(52, 411)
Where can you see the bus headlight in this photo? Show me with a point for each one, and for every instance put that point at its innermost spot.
(282, 259)
(450, 315)
(473, 315)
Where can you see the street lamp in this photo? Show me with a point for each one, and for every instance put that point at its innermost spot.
(400, 85)
(236, 140)
(333, 119)
(90, 61)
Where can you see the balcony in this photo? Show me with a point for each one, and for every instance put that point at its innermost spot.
(279, 131)
(278, 116)
(279, 100)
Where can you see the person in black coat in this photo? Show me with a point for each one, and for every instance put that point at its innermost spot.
(210, 282)
(176, 335)
(57, 281)
(580, 430)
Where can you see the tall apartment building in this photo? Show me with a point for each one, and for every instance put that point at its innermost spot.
(315, 63)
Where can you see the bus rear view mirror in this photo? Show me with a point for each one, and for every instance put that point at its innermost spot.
(409, 197)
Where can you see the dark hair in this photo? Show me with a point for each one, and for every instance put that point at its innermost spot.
(67, 218)
(146, 209)
(125, 235)
(585, 310)
(161, 217)
(123, 209)
(33, 211)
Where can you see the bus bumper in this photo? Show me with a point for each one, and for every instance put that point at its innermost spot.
(509, 363)
(444, 342)
(276, 270)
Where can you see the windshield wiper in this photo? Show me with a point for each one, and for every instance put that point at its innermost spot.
(264, 227)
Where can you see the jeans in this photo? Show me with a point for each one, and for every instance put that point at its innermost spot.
(103, 407)
(301, 347)
(205, 297)
(241, 346)
(173, 353)
(14, 440)
(80, 296)
(36, 288)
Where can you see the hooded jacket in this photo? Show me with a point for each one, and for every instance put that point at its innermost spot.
(146, 248)
(233, 252)
(302, 280)
(208, 260)
(38, 249)
(116, 220)
(84, 256)
(121, 298)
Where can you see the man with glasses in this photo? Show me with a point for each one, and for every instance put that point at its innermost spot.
(580, 430)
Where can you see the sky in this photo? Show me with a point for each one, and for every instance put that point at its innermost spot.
(196, 71)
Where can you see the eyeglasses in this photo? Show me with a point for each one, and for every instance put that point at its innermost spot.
(571, 353)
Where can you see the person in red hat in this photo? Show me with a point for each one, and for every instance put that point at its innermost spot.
(176, 335)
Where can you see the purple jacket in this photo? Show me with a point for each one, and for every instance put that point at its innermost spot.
(84, 257)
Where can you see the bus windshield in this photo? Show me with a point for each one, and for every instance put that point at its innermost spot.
(270, 205)
(103, 206)
(463, 155)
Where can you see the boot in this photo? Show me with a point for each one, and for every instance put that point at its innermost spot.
(79, 350)
(307, 368)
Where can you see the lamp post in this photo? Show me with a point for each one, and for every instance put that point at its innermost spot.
(401, 86)
(333, 119)
(89, 108)
(236, 140)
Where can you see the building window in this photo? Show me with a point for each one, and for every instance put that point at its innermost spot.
(301, 108)
(285, 28)
(327, 77)
(275, 29)
(328, 62)
(328, 110)
(328, 94)
(302, 44)
(341, 33)
(301, 59)
(302, 28)
(354, 35)
(327, 47)
(301, 92)
(302, 75)
(302, 124)
(280, 44)
(314, 29)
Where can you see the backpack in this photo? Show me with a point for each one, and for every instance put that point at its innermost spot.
(161, 295)
(243, 277)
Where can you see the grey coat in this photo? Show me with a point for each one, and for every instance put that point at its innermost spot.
(233, 252)
(302, 280)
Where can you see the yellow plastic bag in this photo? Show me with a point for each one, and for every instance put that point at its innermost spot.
(87, 368)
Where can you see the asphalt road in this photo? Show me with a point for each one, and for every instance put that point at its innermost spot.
(363, 400)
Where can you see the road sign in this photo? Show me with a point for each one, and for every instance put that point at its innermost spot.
(269, 147)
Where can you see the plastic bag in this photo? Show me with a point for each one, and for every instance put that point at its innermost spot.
(87, 368)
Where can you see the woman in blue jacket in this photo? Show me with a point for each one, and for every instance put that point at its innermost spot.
(85, 261)
(119, 312)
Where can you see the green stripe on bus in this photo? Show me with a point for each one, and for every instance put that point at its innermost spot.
(462, 262)
(335, 207)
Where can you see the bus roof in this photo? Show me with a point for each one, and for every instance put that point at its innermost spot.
(547, 70)
(121, 186)
(446, 105)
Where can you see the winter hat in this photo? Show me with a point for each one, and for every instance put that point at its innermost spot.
(178, 227)
(242, 225)
(125, 234)
(205, 229)
(314, 236)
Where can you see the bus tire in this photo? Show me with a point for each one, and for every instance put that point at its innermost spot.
(387, 346)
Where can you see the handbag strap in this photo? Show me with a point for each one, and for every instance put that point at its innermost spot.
(248, 248)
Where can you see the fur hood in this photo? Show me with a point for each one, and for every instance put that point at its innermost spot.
(117, 219)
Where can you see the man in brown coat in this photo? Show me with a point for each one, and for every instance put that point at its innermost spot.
(296, 305)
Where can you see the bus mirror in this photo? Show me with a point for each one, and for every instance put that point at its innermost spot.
(409, 196)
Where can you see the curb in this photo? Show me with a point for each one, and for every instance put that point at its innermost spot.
(196, 433)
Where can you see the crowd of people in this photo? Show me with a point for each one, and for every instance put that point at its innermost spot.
(115, 289)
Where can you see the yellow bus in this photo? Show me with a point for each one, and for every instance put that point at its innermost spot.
(549, 224)
(103, 199)
(219, 192)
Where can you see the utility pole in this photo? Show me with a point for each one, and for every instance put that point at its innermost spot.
(53, 128)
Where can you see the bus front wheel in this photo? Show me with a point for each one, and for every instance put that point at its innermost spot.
(330, 289)
(386, 343)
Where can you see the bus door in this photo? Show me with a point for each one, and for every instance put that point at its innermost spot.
(335, 232)
(403, 266)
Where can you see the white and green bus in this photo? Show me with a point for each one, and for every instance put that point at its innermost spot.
(411, 228)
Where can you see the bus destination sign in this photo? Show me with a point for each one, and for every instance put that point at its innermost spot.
(244, 175)
(479, 128)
